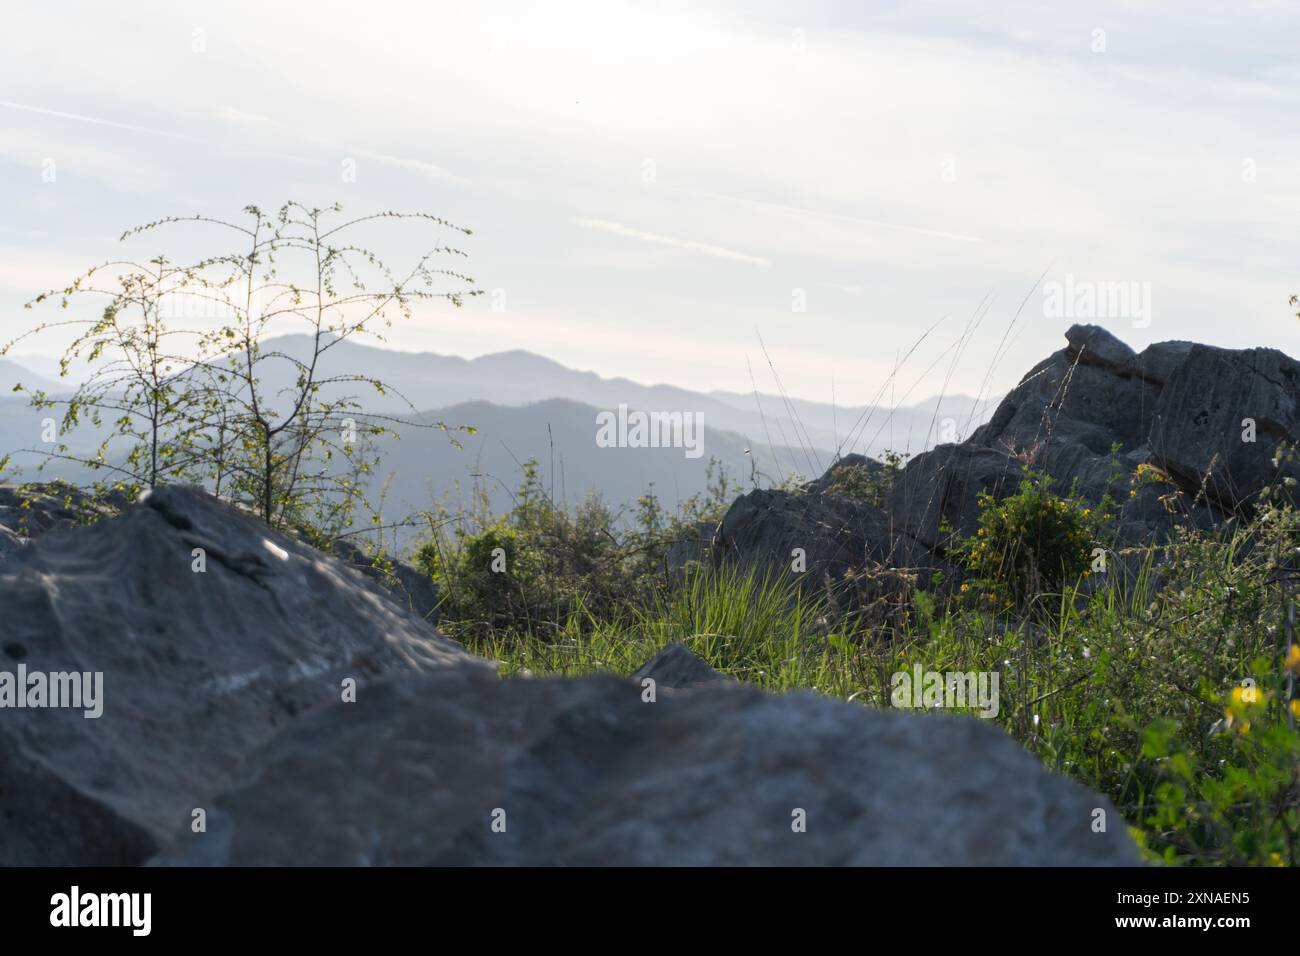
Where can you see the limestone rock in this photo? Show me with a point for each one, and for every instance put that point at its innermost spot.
(198, 668)
(583, 772)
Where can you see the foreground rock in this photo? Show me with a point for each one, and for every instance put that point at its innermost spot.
(28, 511)
(409, 586)
(584, 772)
(199, 668)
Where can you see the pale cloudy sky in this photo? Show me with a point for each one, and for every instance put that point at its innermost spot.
(655, 186)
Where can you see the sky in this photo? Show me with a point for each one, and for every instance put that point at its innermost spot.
(699, 194)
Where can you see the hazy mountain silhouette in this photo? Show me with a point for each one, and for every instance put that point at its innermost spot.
(518, 377)
(528, 406)
(13, 373)
(423, 465)
(420, 467)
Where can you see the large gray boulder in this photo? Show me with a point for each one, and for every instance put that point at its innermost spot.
(1092, 413)
(1159, 360)
(1095, 346)
(199, 668)
(586, 772)
(1064, 400)
(28, 511)
(1087, 416)
(866, 467)
(1180, 406)
(763, 529)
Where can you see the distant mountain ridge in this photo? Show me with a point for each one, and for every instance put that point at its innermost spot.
(527, 406)
(517, 377)
(14, 373)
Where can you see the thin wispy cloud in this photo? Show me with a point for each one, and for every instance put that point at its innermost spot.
(97, 121)
(688, 245)
(424, 168)
(28, 274)
(420, 166)
(232, 115)
(136, 128)
(823, 214)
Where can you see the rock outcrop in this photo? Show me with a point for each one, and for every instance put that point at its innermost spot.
(1095, 411)
(211, 633)
(1209, 422)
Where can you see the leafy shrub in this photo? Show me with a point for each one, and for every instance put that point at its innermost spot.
(1233, 800)
(487, 582)
(1028, 544)
(198, 403)
(868, 483)
(533, 571)
(1193, 718)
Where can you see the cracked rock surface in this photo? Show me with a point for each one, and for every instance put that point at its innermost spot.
(584, 772)
(198, 668)
(1088, 416)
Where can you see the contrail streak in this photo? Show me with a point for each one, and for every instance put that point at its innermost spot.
(97, 122)
(840, 217)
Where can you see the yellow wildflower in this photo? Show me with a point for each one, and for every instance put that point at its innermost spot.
(1247, 697)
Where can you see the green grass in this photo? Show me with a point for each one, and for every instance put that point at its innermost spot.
(757, 630)
(1130, 676)
(1125, 686)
